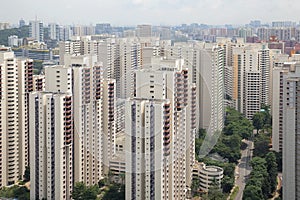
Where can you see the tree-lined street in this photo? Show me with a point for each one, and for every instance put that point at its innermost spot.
(243, 168)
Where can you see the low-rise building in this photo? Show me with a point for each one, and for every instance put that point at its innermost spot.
(207, 175)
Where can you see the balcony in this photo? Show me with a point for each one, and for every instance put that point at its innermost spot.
(167, 133)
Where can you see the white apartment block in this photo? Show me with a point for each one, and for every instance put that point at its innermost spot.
(206, 69)
(251, 78)
(94, 105)
(163, 80)
(109, 121)
(51, 145)
(87, 88)
(54, 31)
(147, 149)
(291, 140)
(69, 48)
(211, 89)
(282, 64)
(36, 30)
(130, 60)
(87, 83)
(38, 83)
(58, 78)
(15, 85)
(265, 68)
(144, 30)
(120, 115)
(120, 58)
(117, 164)
(277, 105)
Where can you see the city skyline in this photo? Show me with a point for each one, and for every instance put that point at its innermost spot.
(156, 12)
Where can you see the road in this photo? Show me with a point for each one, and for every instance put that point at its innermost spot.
(279, 185)
(243, 169)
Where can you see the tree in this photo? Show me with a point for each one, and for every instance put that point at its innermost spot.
(122, 177)
(279, 160)
(229, 169)
(272, 170)
(195, 186)
(261, 145)
(258, 120)
(252, 192)
(214, 192)
(21, 193)
(268, 116)
(27, 174)
(78, 191)
(20, 32)
(227, 184)
(83, 192)
(202, 133)
(102, 183)
(115, 192)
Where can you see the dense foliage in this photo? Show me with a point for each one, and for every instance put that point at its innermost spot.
(106, 189)
(20, 32)
(20, 193)
(115, 192)
(262, 181)
(82, 192)
(261, 144)
(237, 127)
(229, 145)
(263, 119)
(27, 174)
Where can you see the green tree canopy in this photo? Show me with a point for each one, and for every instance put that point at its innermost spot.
(252, 192)
(258, 120)
(83, 192)
(261, 145)
(272, 169)
(115, 192)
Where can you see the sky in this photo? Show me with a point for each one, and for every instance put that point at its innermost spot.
(155, 12)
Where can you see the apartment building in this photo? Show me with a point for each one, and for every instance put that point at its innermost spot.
(15, 86)
(51, 145)
(163, 87)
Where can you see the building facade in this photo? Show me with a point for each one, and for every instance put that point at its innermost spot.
(163, 86)
(15, 86)
(36, 30)
(51, 145)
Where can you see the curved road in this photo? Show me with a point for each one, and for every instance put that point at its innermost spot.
(243, 169)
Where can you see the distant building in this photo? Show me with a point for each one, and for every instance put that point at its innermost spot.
(65, 33)
(14, 41)
(83, 30)
(103, 28)
(283, 24)
(21, 23)
(144, 31)
(36, 30)
(4, 25)
(54, 31)
(251, 78)
(255, 23)
(35, 54)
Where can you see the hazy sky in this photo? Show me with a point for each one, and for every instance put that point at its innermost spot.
(156, 12)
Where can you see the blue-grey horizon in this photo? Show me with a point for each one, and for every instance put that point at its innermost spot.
(155, 12)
